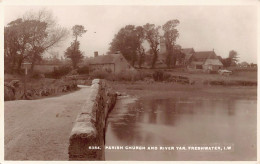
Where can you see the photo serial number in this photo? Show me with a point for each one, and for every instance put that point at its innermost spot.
(167, 148)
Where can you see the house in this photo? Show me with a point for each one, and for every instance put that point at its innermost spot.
(205, 61)
(244, 64)
(112, 63)
(188, 52)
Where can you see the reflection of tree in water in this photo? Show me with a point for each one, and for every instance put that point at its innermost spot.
(231, 107)
(158, 111)
(152, 115)
(126, 129)
(166, 111)
(163, 112)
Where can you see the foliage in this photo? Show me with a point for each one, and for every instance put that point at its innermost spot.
(29, 37)
(129, 41)
(59, 72)
(226, 62)
(232, 59)
(129, 75)
(74, 53)
(83, 70)
(101, 74)
(126, 75)
(37, 75)
(161, 76)
(233, 56)
(153, 37)
(78, 31)
(170, 36)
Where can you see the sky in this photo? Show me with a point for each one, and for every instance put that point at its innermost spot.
(204, 28)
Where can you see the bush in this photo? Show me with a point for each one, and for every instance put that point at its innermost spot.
(37, 75)
(130, 75)
(161, 76)
(126, 75)
(101, 74)
(59, 72)
(83, 70)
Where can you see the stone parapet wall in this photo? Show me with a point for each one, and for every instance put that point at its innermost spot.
(90, 125)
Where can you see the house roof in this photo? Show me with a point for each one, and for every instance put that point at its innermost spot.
(187, 51)
(188, 56)
(213, 62)
(203, 55)
(197, 63)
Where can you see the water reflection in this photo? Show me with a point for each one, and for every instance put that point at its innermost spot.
(174, 121)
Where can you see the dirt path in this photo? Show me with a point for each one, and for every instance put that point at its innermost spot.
(39, 129)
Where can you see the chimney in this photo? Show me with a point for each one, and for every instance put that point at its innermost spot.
(95, 53)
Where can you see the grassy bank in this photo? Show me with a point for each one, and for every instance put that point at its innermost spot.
(36, 88)
(169, 90)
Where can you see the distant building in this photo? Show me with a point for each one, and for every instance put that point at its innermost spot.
(113, 63)
(188, 52)
(244, 64)
(205, 61)
(163, 50)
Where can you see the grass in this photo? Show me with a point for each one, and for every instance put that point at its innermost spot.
(37, 88)
(169, 90)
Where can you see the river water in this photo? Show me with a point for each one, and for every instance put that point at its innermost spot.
(176, 128)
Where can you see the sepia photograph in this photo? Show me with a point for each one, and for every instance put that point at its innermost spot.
(130, 82)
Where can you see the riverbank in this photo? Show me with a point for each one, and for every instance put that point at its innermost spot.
(143, 90)
(37, 88)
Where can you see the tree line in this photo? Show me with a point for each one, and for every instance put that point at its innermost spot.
(129, 41)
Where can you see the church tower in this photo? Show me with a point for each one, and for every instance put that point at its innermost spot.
(162, 52)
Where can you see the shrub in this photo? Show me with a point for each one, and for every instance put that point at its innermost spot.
(59, 72)
(130, 75)
(37, 75)
(161, 76)
(83, 70)
(101, 74)
(126, 75)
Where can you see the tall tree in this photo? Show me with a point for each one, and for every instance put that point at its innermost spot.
(11, 47)
(74, 54)
(170, 36)
(78, 31)
(73, 51)
(35, 33)
(233, 56)
(140, 49)
(231, 59)
(129, 42)
(153, 37)
(122, 42)
(54, 34)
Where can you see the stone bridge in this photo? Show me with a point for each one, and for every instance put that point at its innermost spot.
(58, 128)
(87, 138)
